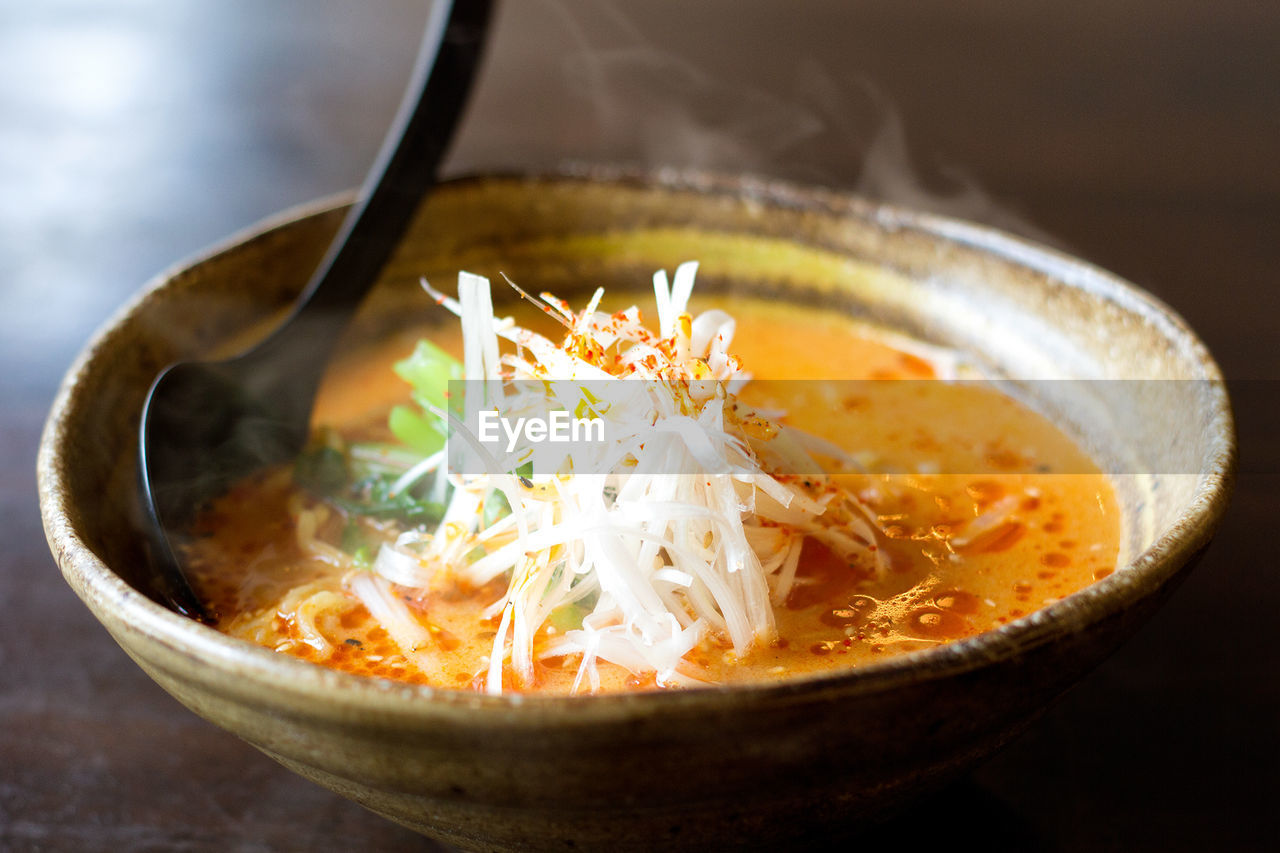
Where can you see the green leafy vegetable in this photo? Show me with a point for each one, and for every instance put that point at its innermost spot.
(363, 486)
(373, 497)
(321, 468)
(568, 617)
(425, 435)
(368, 479)
(496, 507)
(428, 370)
(357, 542)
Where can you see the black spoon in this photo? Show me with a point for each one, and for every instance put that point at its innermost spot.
(208, 424)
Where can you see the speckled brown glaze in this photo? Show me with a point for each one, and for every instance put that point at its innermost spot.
(703, 768)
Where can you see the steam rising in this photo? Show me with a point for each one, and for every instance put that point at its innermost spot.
(580, 81)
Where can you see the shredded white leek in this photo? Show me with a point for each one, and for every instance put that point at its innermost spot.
(683, 523)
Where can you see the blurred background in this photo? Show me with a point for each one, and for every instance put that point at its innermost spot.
(1142, 136)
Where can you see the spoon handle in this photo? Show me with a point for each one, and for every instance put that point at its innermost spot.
(405, 170)
(206, 423)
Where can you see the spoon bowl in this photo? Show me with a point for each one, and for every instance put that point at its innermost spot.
(206, 424)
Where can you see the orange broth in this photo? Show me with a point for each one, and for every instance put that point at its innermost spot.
(1039, 536)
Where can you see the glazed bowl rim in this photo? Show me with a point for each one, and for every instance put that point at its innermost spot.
(255, 668)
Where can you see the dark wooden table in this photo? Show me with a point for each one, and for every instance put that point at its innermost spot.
(1142, 135)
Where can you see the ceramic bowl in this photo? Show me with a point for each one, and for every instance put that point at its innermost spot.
(698, 768)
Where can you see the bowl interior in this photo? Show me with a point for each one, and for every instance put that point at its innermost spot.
(1116, 368)
(1090, 351)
